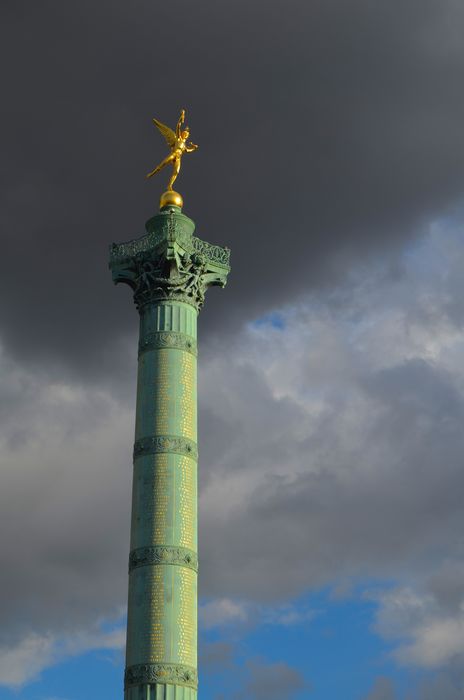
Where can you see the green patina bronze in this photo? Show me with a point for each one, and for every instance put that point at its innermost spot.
(169, 270)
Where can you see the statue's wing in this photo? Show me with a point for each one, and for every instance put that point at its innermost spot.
(168, 133)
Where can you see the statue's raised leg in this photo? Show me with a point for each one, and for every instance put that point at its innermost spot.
(164, 162)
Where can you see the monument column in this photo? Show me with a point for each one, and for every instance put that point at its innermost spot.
(169, 270)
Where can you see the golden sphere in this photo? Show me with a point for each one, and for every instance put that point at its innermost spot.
(171, 198)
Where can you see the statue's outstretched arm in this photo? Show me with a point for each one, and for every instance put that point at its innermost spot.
(191, 147)
(180, 122)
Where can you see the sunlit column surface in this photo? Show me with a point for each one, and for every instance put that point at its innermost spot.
(169, 271)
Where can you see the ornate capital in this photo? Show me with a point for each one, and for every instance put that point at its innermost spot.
(168, 262)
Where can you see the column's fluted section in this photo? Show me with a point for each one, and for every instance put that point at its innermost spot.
(161, 655)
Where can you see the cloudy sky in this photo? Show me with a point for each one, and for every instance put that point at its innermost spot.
(331, 161)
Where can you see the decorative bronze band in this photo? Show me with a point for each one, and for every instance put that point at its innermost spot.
(163, 554)
(178, 674)
(168, 339)
(165, 443)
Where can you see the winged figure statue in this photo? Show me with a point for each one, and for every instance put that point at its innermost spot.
(177, 142)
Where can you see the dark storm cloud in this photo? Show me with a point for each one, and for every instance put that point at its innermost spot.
(447, 586)
(327, 131)
(345, 494)
(444, 687)
(63, 460)
(268, 681)
(216, 656)
(382, 690)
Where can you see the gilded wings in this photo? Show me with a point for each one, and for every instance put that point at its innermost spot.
(167, 132)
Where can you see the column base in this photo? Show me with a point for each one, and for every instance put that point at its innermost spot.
(160, 691)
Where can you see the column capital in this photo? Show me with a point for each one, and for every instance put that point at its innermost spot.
(168, 262)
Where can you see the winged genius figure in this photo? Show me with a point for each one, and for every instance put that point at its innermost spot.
(177, 142)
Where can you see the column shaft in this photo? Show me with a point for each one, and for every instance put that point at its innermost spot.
(161, 654)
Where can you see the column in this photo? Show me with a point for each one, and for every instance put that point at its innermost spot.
(169, 271)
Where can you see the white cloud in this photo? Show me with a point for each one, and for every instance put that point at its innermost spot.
(288, 615)
(217, 613)
(225, 611)
(25, 661)
(436, 642)
(426, 633)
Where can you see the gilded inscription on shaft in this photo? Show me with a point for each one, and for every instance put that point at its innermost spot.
(165, 501)
(175, 395)
(187, 505)
(186, 617)
(166, 619)
(149, 622)
(187, 402)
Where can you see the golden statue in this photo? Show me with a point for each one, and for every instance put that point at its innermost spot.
(177, 142)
